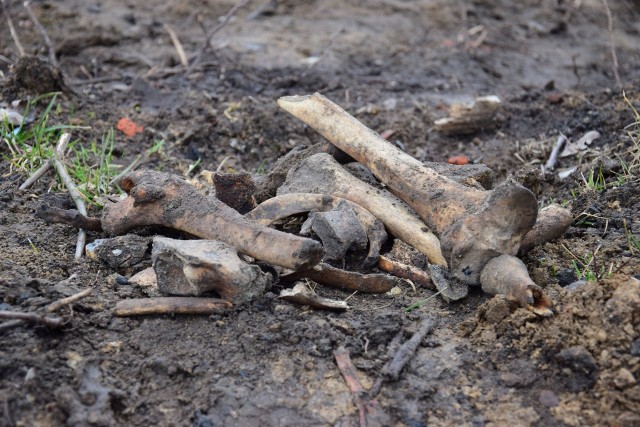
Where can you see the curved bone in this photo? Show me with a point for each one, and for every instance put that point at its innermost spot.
(321, 173)
(552, 222)
(157, 198)
(474, 226)
(283, 206)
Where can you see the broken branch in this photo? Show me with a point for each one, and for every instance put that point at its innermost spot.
(170, 305)
(57, 305)
(49, 322)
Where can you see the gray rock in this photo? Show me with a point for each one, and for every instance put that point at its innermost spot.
(122, 252)
(193, 267)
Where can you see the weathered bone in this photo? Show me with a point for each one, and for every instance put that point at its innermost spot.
(157, 198)
(170, 305)
(193, 267)
(286, 205)
(320, 173)
(508, 275)
(474, 226)
(553, 221)
(342, 279)
(302, 294)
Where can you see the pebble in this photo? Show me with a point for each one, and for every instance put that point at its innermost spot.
(548, 399)
(624, 379)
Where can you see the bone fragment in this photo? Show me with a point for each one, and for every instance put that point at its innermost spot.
(474, 226)
(193, 267)
(170, 305)
(508, 275)
(157, 198)
(235, 190)
(301, 294)
(339, 230)
(405, 271)
(70, 217)
(342, 279)
(121, 252)
(552, 222)
(286, 205)
(320, 173)
(466, 119)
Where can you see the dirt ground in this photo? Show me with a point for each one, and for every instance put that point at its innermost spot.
(397, 65)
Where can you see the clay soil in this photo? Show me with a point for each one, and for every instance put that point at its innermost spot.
(396, 65)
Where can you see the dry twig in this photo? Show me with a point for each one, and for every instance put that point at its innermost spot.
(49, 322)
(170, 305)
(70, 217)
(45, 35)
(57, 305)
(71, 187)
(177, 45)
(612, 45)
(12, 29)
(36, 175)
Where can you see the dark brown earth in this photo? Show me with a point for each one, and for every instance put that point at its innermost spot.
(396, 65)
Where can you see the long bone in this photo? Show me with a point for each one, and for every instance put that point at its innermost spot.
(157, 198)
(474, 226)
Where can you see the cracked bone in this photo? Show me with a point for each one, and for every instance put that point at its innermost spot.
(474, 226)
(157, 198)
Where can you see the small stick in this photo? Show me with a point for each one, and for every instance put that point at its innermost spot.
(553, 158)
(70, 217)
(392, 369)
(36, 175)
(612, 45)
(177, 45)
(350, 375)
(71, 187)
(49, 322)
(12, 30)
(405, 271)
(45, 35)
(10, 324)
(170, 305)
(342, 279)
(57, 305)
(216, 29)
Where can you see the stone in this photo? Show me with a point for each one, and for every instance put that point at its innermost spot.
(548, 399)
(193, 267)
(123, 252)
(623, 379)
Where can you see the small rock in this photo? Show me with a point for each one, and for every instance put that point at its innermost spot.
(566, 277)
(575, 285)
(122, 252)
(548, 399)
(635, 348)
(624, 379)
(497, 309)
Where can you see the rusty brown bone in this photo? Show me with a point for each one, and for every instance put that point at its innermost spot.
(157, 198)
(474, 226)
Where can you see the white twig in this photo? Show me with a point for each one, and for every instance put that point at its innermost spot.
(71, 187)
(36, 175)
(57, 305)
(553, 158)
(12, 30)
(176, 43)
(45, 35)
(612, 45)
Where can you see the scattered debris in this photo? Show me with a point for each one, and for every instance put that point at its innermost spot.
(157, 198)
(129, 127)
(465, 119)
(459, 160)
(193, 267)
(582, 144)
(170, 305)
(303, 295)
(370, 414)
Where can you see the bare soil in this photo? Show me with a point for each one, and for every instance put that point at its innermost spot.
(396, 65)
